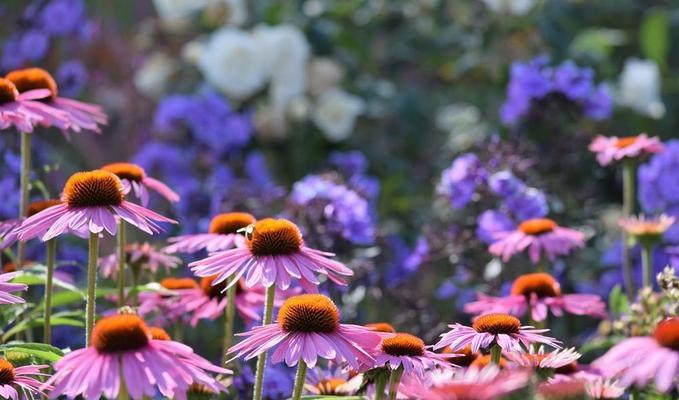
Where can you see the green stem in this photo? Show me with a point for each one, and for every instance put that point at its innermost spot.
(628, 205)
(380, 385)
(229, 319)
(121, 263)
(122, 393)
(51, 257)
(299, 380)
(93, 252)
(261, 359)
(541, 265)
(647, 264)
(394, 381)
(496, 354)
(24, 184)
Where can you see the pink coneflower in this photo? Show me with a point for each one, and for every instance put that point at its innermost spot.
(647, 229)
(538, 293)
(410, 353)
(308, 327)
(610, 149)
(91, 200)
(639, 360)
(539, 236)
(494, 329)
(9, 229)
(596, 386)
(73, 115)
(488, 383)
(6, 297)
(222, 235)
(383, 327)
(21, 382)
(540, 360)
(165, 306)
(23, 111)
(142, 254)
(123, 348)
(134, 178)
(274, 254)
(334, 381)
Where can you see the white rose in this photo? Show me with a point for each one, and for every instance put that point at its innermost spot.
(151, 79)
(336, 112)
(515, 7)
(232, 62)
(640, 87)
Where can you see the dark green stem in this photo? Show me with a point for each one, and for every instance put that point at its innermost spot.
(49, 277)
(261, 359)
(647, 264)
(93, 253)
(394, 382)
(496, 354)
(299, 380)
(121, 263)
(628, 205)
(229, 319)
(24, 184)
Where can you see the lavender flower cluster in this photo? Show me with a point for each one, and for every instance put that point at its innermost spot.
(659, 186)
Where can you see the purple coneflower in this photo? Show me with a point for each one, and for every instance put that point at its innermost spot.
(540, 236)
(648, 233)
(21, 382)
(408, 352)
(491, 330)
(274, 254)
(610, 149)
(6, 297)
(333, 381)
(134, 178)
(544, 361)
(143, 254)
(124, 349)
(23, 110)
(222, 235)
(639, 360)
(78, 115)
(9, 229)
(538, 293)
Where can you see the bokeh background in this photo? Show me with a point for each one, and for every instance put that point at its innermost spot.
(393, 132)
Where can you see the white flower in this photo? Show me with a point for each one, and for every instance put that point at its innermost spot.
(324, 73)
(285, 52)
(233, 62)
(230, 12)
(336, 113)
(640, 87)
(174, 11)
(151, 79)
(180, 12)
(515, 7)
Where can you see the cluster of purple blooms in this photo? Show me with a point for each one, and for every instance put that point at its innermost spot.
(535, 80)
(42, 23)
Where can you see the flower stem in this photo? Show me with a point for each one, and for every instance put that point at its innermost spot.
(628, 202)
(24, 184)
(394, 381)
(496, 354)
(121, 263)
(229, 318)
(261, 359)
(380, 385)
(93, 252)
(299, 380)
(647, 264)
(51, 258)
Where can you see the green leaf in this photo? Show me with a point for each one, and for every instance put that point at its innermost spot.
(67, 318)
(40, 350)
(654, 35)
(597, 42)
(60, 299)
(617, 301)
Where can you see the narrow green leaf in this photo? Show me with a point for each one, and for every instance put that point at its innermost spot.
(654, 35)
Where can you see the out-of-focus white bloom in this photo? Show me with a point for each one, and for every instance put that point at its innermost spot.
(285, 52)
(324, 73)
(515, 7)
(463, 124)
(299, 108)
(177, 11)
(640, 87)
(151, 79)
(232, 62)
(228, 12)
(336, 112)
(180, 12)
(193, 50)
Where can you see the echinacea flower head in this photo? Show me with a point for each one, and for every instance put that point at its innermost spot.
(490, 329)
(642, 359)
(539, 236)
(274, 254)
(123, 347)
(333, 381)
(538, 293)
(223, 234)
(166, 306)
(487, 383)
(23, 110)
(72, 115)
(613, 149)
(91, 202)
(464, 357)
(647, 230)
(141, 256)
(307, 328)
(21, 382)
(6, 289)
(134, 178)
(408, 351)
(383, 327)
(9, 229)
(541, 360)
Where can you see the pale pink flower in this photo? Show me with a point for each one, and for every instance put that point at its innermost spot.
(611, 149)
(333, 381)
(24, 111)
(556, 359)
(6, 297)
(134, 178)
(647, 228)
(142, 254)
(21, 382)
(222, 235)
(408, 351)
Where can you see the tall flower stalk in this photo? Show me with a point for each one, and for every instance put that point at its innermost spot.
(24, 183)
(299, 380)
(229, 320)
(93, 252)
(394, 382)
(261, 358)
(51, 261)
(628, 205)
(121, 263)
